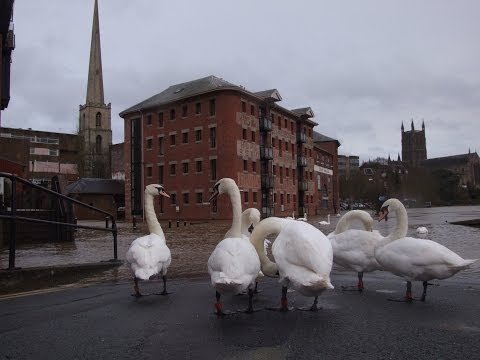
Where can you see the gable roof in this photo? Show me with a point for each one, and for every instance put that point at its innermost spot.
(96, 186)
(184, 90)
(317, 137)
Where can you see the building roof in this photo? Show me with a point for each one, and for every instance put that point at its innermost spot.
(208, 84)
(96, 186)
(449, 161)
(317, 137)
(184, 90)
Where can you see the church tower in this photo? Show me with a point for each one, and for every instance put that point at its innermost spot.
(414, 146)
(95, 127)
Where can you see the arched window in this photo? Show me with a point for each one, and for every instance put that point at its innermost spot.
(98, 120)
(98, 144)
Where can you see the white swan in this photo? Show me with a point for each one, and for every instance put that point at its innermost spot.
(233, 265)
(323, 222)
(250, 218)
(422, 230)
(291, 217)
(414, 259)
(303, 257)
(149, 255)
(304, 218)
(354, 249)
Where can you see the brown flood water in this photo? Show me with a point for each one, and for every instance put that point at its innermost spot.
(191, 245)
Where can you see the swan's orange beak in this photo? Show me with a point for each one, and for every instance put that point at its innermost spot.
(163, 193)
(383, 214)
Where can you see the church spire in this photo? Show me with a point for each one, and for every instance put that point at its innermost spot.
(413, 128)
(402, 127)
(423, 125)
(95, 74)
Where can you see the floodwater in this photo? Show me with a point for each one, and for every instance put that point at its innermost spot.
(191, 244)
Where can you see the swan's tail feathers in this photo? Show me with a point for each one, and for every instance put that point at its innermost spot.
(224, 284)
(465, 265)
(144, 274)
(328, 284)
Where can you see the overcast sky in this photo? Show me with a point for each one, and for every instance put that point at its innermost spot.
(362, 66)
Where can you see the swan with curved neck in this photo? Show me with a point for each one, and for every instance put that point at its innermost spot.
(233, 265)
(149, 255)
(415, 259)
(303, 257)
(323, 222)
(354, 249)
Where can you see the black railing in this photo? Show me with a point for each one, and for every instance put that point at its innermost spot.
(9, 210)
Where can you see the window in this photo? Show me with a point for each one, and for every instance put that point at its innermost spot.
(186, 198)
(279, 123)
(184, 110)
(288, 198)
(198, 166)
(252, 110)
(149, 119)
(213, 137)
(292, 126)
(253, 136)
(98, 120)
(245, 196)
(213, 169)
(149, 171)
(161, 146)
(273, 142)
(281, 175)
(185, 137)
(98, 144)
(282, 199)
(244, 134)
(161, 201)
(173, 169)
(149, 143)
(294, 176)
(244, 106)
(274, 170)
(172, 114)
(199, 197)
(287, 172)
(172, 140)
(279, 147)
(245, 165)
(254, 195)
(173, 199)
(254, 166)
(160, 119)
(198, 108)
(185, 167)
(212, 107)
(285, 124)
(160, 175)
(198, 135)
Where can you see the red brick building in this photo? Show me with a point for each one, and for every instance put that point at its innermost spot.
(326, 174)
(192, 134)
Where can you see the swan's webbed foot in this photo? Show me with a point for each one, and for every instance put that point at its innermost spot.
(136, 289)
(314, 306)
(359, 286)
(408, 298)
(220, 312)
(250, 309)
(283, 302)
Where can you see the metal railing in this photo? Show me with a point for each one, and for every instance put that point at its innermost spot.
(11, 213)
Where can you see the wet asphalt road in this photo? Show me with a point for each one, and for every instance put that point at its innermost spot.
(104, 322)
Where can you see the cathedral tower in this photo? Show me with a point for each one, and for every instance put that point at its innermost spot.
(95, 127)
(414, 146)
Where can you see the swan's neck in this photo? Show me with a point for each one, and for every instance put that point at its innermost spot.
(152, 222)
(236, 229)
(245, 223)
(346, 220)
(265, 228)
(401, 226)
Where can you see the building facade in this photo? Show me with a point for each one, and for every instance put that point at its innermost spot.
(195, 133)
(414, 145)
(348, 165)
(326, 196)
(7, 45)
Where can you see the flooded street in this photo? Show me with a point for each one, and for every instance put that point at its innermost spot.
(192, 244)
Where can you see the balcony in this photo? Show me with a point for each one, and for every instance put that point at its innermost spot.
(267, 181)
(302, 185)
(265, 124)
(301, 161)
(301, 137)
(266, 153)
